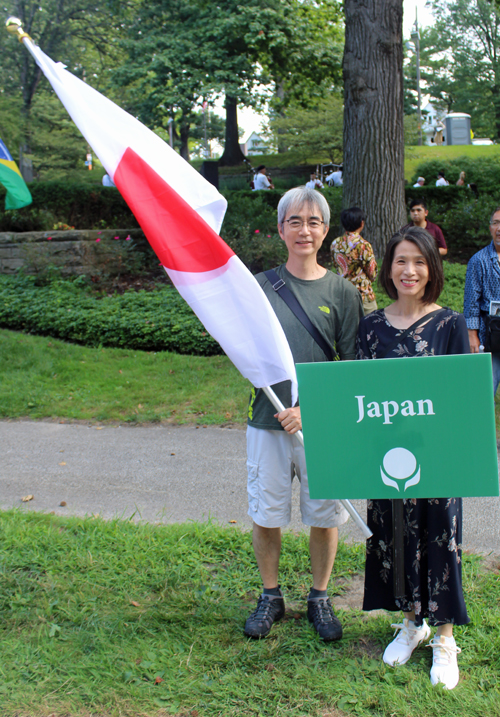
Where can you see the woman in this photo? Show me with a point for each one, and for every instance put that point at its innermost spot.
(353, 256)
(414, 325)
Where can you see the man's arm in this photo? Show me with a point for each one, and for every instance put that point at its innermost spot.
(439, 236)
(472, 301)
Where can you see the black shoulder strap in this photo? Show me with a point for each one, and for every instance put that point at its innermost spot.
(405, 333)
(293, 304)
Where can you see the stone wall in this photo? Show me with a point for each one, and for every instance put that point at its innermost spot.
(73, 251)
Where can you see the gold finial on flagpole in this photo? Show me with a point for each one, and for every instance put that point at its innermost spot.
(15, 26)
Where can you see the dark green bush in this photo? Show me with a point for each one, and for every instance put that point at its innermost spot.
(159, 320)
(483, 171)
(80, 205)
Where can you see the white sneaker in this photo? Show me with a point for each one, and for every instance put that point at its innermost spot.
(408, 639)
(444, 669)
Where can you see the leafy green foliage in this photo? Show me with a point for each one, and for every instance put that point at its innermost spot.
(483, 171)
(462, 216)
(312, 131)
(460, 61)
(156, 320)
(411, 129)
(84, 206)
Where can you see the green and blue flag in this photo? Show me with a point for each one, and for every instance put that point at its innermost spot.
(18, 195)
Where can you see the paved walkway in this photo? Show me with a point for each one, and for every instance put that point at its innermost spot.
(168, 474)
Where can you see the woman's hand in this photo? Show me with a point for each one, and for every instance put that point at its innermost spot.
(290, 419)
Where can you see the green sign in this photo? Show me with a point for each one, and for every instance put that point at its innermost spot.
(408, 428)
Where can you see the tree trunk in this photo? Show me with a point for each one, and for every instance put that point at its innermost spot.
(373, 116)
(232, 151)
(495, 91)
(279, 93)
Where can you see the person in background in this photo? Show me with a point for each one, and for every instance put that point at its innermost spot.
(107, 181)
(420, 182)
(353, 257)
(414, 325)
(482, 285)
(441, 181)
(314, 182)
(335, 179)
(418, 214)
(260, 180)
(461, 180)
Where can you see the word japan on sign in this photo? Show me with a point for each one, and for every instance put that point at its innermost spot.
(407, 428)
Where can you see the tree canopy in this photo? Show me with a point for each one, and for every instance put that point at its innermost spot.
(460, 61)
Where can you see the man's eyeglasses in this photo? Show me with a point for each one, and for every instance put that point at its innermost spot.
(496, 223)
(297, 224)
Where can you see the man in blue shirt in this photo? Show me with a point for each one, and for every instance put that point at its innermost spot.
(482, 285)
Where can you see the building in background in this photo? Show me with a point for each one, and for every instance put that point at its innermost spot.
(254, 145)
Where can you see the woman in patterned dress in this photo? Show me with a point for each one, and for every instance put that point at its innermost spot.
(412, 274)
(353, 256)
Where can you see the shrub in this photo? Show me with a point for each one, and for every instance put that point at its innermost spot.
(483, 171)
(159, 320)
(81, 205)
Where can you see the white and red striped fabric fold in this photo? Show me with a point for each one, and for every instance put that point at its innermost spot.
(181, 214)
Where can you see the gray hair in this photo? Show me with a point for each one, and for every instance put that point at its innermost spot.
(493, 213)
(298, 197)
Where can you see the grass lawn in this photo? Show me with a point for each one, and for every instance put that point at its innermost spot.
(47, 378)
(109, 619)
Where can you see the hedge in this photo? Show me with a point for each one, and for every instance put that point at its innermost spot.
(83, 206)
(250, 223)
(482, 171)
(159, 320)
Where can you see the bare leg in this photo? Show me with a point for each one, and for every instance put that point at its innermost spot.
(445, 630)
(322, 548)
(267, 548)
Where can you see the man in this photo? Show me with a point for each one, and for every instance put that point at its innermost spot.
(420, 182)
(260, 180)
(482, 285)
(335, 179)
(418, 214)
(333, 306)
(314, 182)
(441, 181)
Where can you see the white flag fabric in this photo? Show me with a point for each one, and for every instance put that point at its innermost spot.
(181, 214)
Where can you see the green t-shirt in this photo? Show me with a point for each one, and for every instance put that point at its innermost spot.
(333, 305)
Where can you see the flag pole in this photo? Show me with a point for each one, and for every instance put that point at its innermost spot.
(346, 503)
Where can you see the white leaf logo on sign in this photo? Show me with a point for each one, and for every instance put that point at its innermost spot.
(400, 464)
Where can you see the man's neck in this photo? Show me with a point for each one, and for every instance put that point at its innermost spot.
(307, 269)
(422, 224)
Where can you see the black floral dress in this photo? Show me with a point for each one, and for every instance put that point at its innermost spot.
(432, 528)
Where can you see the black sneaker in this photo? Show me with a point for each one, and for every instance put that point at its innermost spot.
(270, 609)
(326, 624)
